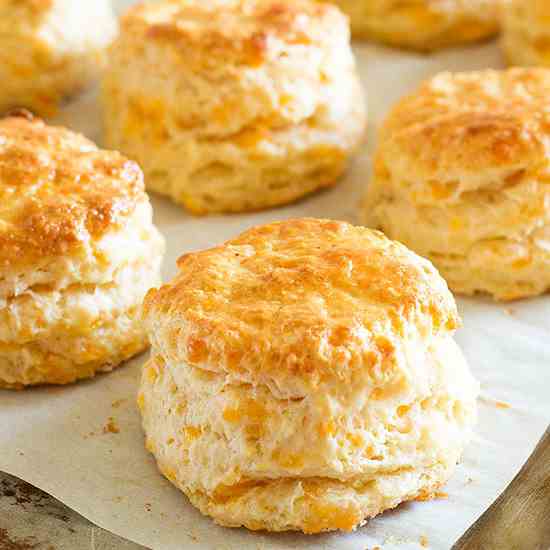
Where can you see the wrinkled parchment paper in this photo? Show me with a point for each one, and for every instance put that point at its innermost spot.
(84, 444)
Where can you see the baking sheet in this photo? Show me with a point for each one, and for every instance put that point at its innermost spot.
(84, 444)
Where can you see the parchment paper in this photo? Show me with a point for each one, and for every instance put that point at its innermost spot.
(84, 444)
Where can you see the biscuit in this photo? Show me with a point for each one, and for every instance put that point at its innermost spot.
(78, 252)
(460, 176)
(422, 24)
(50, 50)
(526, 32)
(304, 376)
(246, 104)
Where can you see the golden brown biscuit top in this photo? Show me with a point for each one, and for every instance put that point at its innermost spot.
(33, 9)
(307, 298)
(33, 5)
(232, 30)
(538, 9)
(58, 190)
(420, 9)
(472, 122)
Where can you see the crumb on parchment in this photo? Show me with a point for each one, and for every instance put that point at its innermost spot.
(431, 496)
(497, 403)
(111, 427)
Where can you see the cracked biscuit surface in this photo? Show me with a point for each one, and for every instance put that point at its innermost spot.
(461, 176)
(424, 25)
(50, 50)
(304, 377)
(246, 105)
(78, 251)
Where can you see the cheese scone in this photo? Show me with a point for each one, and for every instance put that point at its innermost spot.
(424, 25)
(461, 177)
(304, 376)
(78, 252)
(526, 32)
(50, 50)
(234, 105)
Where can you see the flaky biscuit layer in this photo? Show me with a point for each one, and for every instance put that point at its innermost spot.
(238, 131)
(326, 461)
(460, 176)
(78, 252)
(304, 376)
(58, 336)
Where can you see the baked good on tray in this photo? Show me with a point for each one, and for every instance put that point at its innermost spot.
(422, 24)
(50, 50)
(461, 176)
(304, 376)
(234, 105)
(78, 252)
(526, 32)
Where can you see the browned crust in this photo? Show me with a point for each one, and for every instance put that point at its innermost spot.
(36, 7)
(312, 298)
(58, 190)
(472, 122)
(27, 11)
(240, 31)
